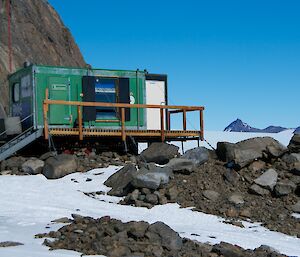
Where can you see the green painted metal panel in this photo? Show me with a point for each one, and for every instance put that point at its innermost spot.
(59, 90)
(47, 76)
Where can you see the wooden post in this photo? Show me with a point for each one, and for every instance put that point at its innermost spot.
(123, 124)
(162, 125)
(201, 126)
(168, 120)
(79, 117)
(184, 119)
(45, 112)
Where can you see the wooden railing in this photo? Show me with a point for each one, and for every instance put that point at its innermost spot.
(168, 109)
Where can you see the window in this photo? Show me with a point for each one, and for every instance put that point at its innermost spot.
(105, 91)
(16, 92)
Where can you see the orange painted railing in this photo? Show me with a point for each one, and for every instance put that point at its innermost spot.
(168, 109)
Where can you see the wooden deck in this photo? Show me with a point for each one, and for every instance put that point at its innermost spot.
(165, 133)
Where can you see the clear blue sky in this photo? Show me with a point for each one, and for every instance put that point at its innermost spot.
(238, 58)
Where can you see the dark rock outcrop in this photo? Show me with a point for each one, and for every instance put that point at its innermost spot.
(38, 36)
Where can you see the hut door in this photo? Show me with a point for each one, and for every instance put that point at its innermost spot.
(59, 89)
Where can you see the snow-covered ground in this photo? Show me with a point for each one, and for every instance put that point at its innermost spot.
(28, 204)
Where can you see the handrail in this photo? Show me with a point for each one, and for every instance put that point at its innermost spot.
(123, 106)
(18, 136)
(120, 105)
(20, 122)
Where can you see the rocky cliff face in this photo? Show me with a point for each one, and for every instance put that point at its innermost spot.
(38, 36)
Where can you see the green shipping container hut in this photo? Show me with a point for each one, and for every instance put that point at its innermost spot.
(28, 87)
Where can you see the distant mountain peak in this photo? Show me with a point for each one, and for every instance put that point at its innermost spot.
(239, 126)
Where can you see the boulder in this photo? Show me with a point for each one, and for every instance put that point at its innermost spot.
(256, 189)
(160, 153)
(151, 177)
(283, 188)
(169, 238)
(180, 165)
(294, 145)
(296, 207)
(152, 167)
(211, 195)
(59, 166)
(120, 181)
(267, 180)
(150, 180)
(198, 155)
(245, 152)
(33, 166)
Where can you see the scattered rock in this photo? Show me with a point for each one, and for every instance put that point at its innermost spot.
(110, 237)
(296, 207)
(14, 163)
(231, 176)
(172, 193)
(246, 213)
(256, 189)
(267, 180)
(59, 166)
(151, 198)
(62, 220)
(227, 250)
(160, 153)
(283, 188)
(236, 199)
(33, 166)
(232, 213)
(9, 244)
(181, 165)
(257, 166)
(211, 195)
